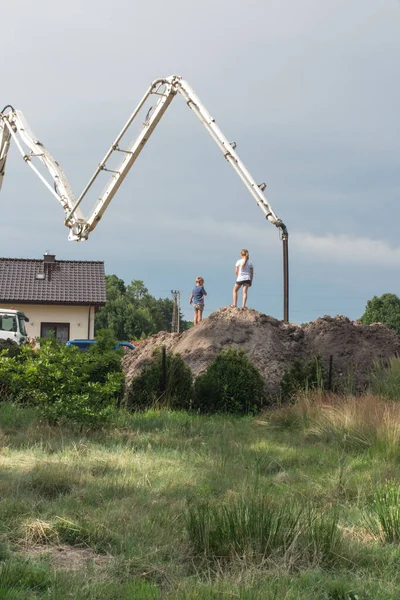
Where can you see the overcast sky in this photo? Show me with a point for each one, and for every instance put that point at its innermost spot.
(310, 92)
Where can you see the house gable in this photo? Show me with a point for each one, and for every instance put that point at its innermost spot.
(56, 295)
(51, 281)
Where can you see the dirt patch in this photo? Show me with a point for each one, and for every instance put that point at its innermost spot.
(272, 345)
(69, 557)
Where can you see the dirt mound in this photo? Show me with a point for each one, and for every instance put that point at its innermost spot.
(272, 345)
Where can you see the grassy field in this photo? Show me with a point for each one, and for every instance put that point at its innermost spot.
(298, 503)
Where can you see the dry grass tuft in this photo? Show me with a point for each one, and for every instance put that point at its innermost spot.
(366, 421)
(39, 532)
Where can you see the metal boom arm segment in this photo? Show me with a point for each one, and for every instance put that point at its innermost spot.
(14, 126)
(167, 89)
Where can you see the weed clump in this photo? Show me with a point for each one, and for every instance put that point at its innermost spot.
(231, 384)
(385, 380)
(166, 381)
(383, 513)
(261, 528)
(302, 376)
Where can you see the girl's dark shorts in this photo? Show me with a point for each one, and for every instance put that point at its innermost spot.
(245, 282)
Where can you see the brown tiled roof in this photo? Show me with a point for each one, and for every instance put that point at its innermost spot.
(54, 282)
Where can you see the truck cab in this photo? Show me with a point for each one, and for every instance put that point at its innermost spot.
(12, 325)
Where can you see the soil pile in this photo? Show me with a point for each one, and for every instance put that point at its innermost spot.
(272, 345)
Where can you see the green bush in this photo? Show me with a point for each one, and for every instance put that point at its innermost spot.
(153, 388)
(231, 384)
(302, 376)
(102, 358)
(11, 348)
(63, 382)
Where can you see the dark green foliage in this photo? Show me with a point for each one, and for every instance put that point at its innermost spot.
(9, 347)
(4, 551)
(63, 382)
(385, 309)
(302, 376)
(231, 384)
(339, 590)
(102, 358)
(151, 389)
(131, 312)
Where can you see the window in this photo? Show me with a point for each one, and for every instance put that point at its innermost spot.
(8, 323)
(60, 331)
(22, 325)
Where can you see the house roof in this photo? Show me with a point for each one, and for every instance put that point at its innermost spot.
(51, 281)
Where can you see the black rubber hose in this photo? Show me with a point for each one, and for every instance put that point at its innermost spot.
(7, 106)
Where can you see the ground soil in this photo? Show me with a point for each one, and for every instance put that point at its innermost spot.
(67, 557)
(273, 345)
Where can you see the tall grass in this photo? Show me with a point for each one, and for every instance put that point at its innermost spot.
(356, 422)
(185, 507)
(259, 528)
(251, 524)
(386, 379)
(323, 537)
(383, 516)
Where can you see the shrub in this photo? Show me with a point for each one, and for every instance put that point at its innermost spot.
(172, 389)
(102, 358)
(231, 384)
(11, 348)
(63, 382)
(302, 376)
(385, 309)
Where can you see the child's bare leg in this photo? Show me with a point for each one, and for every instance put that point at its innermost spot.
(200, 316)
(195, 318)
(245, 288)
(236, 288)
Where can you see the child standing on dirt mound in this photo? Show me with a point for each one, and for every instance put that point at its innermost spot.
(244, 272)
(197, 299)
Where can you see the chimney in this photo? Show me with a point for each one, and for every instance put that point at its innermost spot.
(49, 259)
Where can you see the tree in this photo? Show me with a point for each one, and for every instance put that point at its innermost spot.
(131, 312)
(137, 291)
(114, 286)
(385, 309)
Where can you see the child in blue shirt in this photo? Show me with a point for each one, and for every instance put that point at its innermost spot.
(197, 299)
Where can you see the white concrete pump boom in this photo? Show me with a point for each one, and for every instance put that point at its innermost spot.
(13, 125)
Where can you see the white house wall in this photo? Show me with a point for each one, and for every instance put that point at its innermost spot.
(76, 316)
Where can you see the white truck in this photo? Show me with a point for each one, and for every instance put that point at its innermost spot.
(12, 325)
